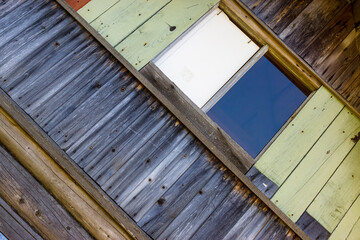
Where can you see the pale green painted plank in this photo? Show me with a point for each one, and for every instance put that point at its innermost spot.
(349, 224)
(124, 17)
(355, 232)
(299, 136)
(159, 31)
(306, 181)
(330, 206)
(95, 8)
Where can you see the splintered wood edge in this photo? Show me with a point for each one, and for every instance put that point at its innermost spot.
(113, 212)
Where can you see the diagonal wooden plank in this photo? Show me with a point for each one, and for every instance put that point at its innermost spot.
(348, 223)
(305, 182)
(124, 17)
(297, 139)
(330, 206)
(160, 30)
(95, 8)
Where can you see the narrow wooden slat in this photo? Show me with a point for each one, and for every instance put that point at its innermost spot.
(95, 8)
(355, 233)
(315, 169)
(13, 226)
(34, 203)
(199, 209)
(279, 14)
(77, 4)
(160, 30)
(312, 228)
(233, 207)
(124, 17)
(263, 183)
(178, 196)
(145, 195)
(316, 15)
(8, 7)
(330, 206)
(329, 38)
(300, 135)
(255, 5)
(274, 229)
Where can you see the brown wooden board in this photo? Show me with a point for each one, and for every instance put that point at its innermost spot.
(34, 203)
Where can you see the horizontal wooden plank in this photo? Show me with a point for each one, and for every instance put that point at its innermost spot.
(296, 140)
(348, 222)
(160, 30)
(337, 196)
(124, 17)
(315, 169)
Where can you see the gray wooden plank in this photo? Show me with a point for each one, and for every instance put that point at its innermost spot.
(8, 6)
(121, 148)
(200, 208)
(147, 156)
(145, 195)
(222, 220)
(178, 196)
(13, 226)
(312, 227)
(22, 192)
(264, 184)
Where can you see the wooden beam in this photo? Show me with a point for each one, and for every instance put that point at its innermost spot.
(299, 71)
(109, 209)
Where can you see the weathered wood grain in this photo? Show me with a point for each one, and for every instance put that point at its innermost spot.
(299, 136)
(34, 203)
(335, 64)
(315, 169)
(124, 17)
(274, 229)
(177, 197)
(312, 228)
(329, 37)
(332, 203)
(8, 7)
(159, 31)
(235, 205)
(13, 226)
(95, 8)
(256, 5)
(315, 17)
(262, 182)
(199, 208)
(279, 14)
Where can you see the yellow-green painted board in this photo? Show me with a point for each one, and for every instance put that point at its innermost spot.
(299, 136)
(350, 224)
(339, 193)
(124, 17)
(355, 232)
(159, 31)
(312, 173)
(95, 8)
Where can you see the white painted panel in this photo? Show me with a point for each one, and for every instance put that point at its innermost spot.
(207, 57)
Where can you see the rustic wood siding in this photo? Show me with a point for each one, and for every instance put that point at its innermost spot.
(120, 135)
(322, 33)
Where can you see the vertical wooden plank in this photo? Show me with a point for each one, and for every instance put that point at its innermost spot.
(124, 17)
(94, 8)
(330, 206)
(315, 169)
(160, 30)
(300, 135)
(348, 223)
(77, 4)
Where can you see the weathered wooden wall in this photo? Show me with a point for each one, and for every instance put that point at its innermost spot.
(322, 32)
(35, 207)
(120, 135)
